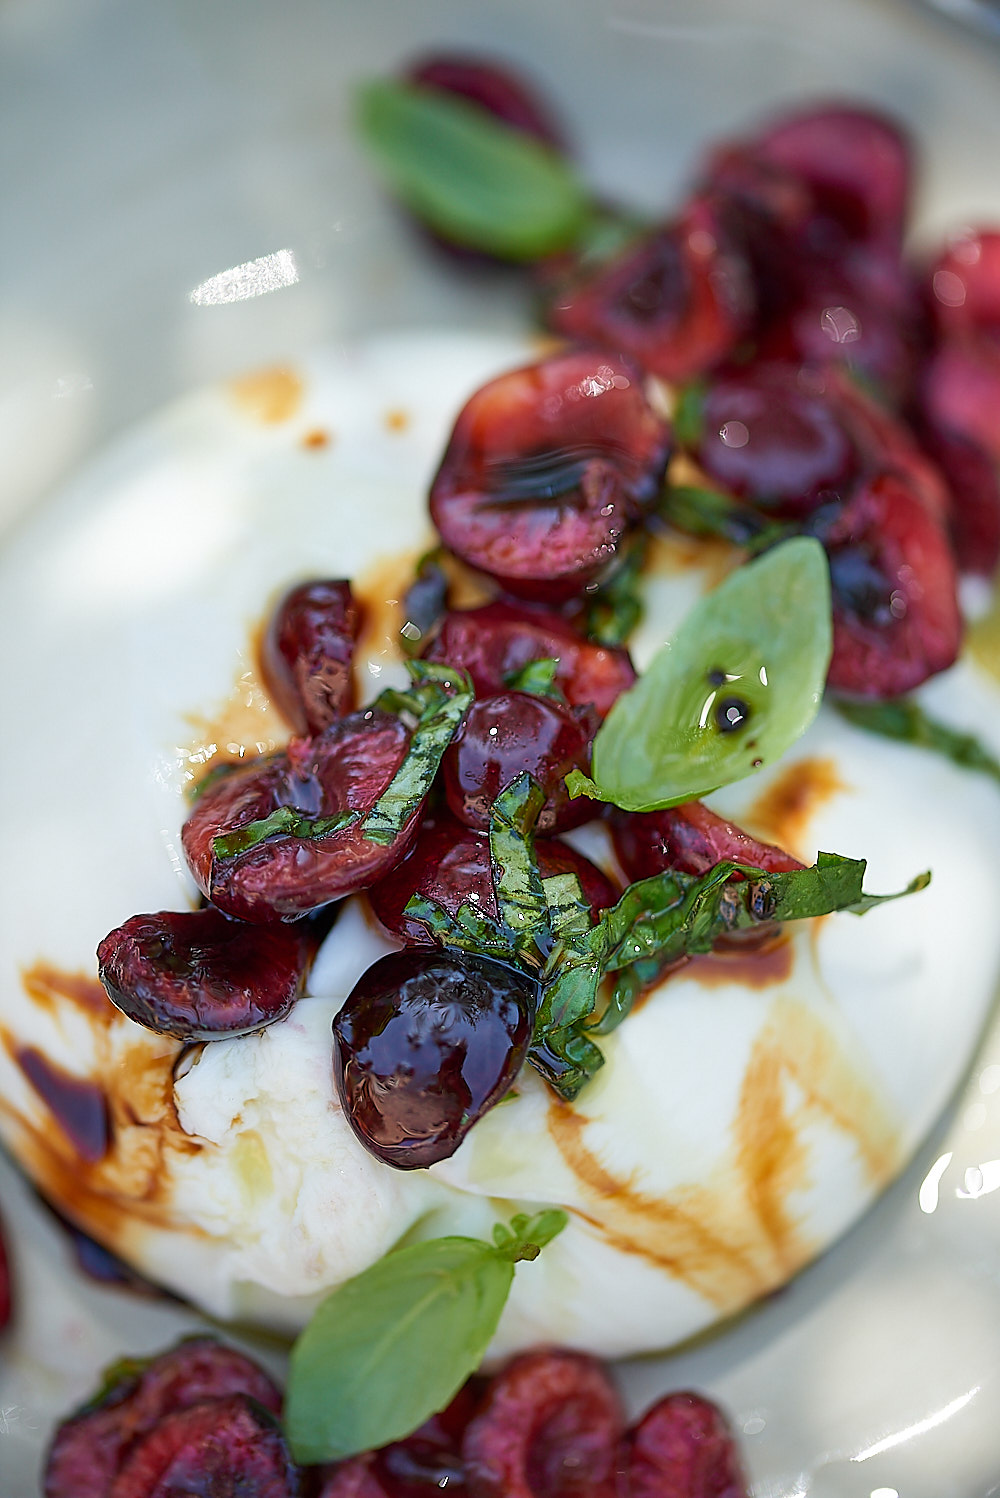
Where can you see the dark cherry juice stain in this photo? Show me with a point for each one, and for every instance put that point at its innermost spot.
(758, 966)
(78, 1106)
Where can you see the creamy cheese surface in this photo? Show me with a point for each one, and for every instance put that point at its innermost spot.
(749, 1109)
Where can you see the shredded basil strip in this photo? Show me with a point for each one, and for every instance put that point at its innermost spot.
(612, 613)
(516, 880)
(537, 677)
(446, 695)
(709, 514)
(689, 414)
(394, 1344)
(903, 719)
(284, 821)
(469, 176)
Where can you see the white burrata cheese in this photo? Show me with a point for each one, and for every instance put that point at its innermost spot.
(748, 1110)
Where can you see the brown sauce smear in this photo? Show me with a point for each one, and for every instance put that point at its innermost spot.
(397, 420)
(752, 967)
(782, 813)
(109, 1165)
(735, 1235)
(269, 396)
(316, 439)
(245, 725)
(47, 987)
(79, 1107)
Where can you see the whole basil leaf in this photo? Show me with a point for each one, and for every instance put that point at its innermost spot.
(762, 638)
(469, 176)
(394, 1344)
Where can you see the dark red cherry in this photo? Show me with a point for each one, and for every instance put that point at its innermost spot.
(492, 643)
(307, 651)
(450, 864)
(884, 442)
(681, 1448)
(771, 436)
(973, 479)
(199, 976)
(678, 302)
(549, 1427)
(964, 284)
(857, 164)
(546, 469)
(88, 1449)
(5, 1297)
(960, 390)
(496, 89)
(896, 619)
(690, 838)
(426, 1043)
(285, 876)
(506, 734)
(429, 1463)
(224, 1448)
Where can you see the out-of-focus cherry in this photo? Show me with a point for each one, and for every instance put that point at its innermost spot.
(498, 90)
(964, 284)
(681, 1448)
(307, 651)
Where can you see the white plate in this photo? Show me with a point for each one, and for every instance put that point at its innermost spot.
(149, 149)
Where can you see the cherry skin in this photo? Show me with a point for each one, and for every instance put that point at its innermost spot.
(307, 651)
(426, 1043)
(497, 90)
(680, 1448)
(546, 470)
(690, 838)
(507, 734)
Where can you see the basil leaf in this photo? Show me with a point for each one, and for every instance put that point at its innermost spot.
(469, 176)
(688, 418)
(393, 1345)
(284, 821)
(567, 1059)
(705, 512)
(439, 720)
(468, 929)
(904, 719)
(762, 639)
(568, 911)
(615, 610)
(516, 880)
(424, 602)
(538, 677)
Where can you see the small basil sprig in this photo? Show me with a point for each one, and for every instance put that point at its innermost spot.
(393, 1345)
(436, 703)
(612, 613)
(903, 719)
(537, 677)
(470, 177)
(759, 646)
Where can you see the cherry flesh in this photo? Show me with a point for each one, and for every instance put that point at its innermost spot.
(509, 733)
(681, 1448)
(197, 975)
(964, 284)
(678, 302)
(497, 90)
(426, 1043)
(549, 1427)
(546, 470)
(346, 769)
(451, 865)
(495, 641)
(307, 651)
(224, 1448)
(689, 838)
(771, 437)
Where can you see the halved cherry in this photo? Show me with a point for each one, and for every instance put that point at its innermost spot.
(197, 975)
(960, 390)
(450, 864)
(89, 1449)
(545, 470)
(492, 643)
(678, 302)
(506, 734)
(681, 1448)
(896, 619)
(858, 165)
(498, 90)
(427, 1464)
(964, 283)
(223, 1448)
(973, 479)
(689, 838)
(770, 435)
(286, 875)
(884, 442)
(548, 1427)
(307, 651)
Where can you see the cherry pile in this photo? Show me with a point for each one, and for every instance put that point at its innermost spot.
(204, 1418)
